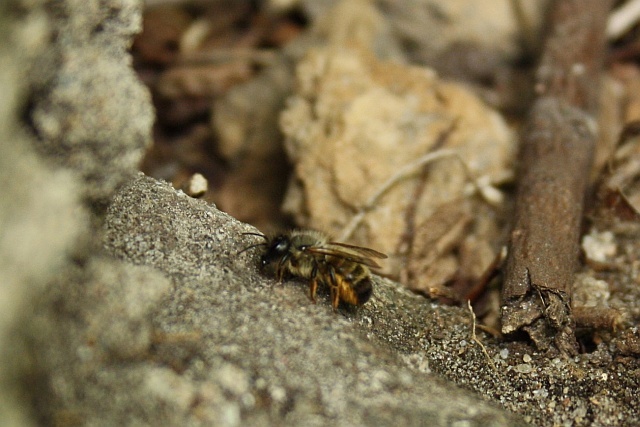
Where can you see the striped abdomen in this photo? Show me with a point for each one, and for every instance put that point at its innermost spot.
(351, 282)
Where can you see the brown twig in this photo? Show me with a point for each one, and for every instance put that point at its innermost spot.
(601, 318)
(555, 158)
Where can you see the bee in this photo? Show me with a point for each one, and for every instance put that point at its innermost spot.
(343, 268)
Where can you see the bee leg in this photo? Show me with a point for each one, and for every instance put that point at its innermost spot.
(280, 268)
(335, 297)
(333, 286)
(314, 284)
(312, 290)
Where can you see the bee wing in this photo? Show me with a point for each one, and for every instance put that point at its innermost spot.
(345, 253)
(368, 252)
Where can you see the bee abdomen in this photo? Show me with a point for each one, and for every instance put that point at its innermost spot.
(363, 290)
(356, 284)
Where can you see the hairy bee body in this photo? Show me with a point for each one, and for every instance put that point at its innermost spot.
(310, 255)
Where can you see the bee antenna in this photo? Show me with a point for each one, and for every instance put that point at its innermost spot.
(251, 247)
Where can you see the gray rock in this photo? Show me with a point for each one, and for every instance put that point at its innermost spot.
(74, 121)
(89, 110)
(192, 335)
(236, 347)
(168, 325)
(40, 217)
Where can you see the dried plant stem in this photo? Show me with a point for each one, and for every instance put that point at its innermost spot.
(489, 193)
(601, 318)
(555, 160)
(475, 339)
(623, 19)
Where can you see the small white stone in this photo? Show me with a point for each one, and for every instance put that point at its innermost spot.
(197, 185)
(599, 246)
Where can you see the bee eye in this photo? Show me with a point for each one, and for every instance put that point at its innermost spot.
(281, 246)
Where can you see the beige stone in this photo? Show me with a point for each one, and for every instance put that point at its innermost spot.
(355, 121)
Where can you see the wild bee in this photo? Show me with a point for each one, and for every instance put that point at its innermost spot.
(311, 255)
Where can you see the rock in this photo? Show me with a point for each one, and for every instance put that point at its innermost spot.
(92, 325)
(89, 109)
(461, 38)
(355, 122)
(242, 349)
(41, 219)
(497, 28)
(245, 119)
(167, 324)
(74, 121)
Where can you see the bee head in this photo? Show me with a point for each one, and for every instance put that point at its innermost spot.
(277, 248)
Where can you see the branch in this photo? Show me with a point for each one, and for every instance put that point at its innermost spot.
(555, 159)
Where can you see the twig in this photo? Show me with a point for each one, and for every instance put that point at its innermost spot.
(601, 318)
(488, 193)
(623, 18)
(555, 160)
(475, 338)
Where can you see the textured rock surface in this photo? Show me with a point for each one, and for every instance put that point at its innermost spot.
(89, 110)
(355, 121)
(239, 347)
(181, 330)
(38, 204)
(67, 91)
(445, 32)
